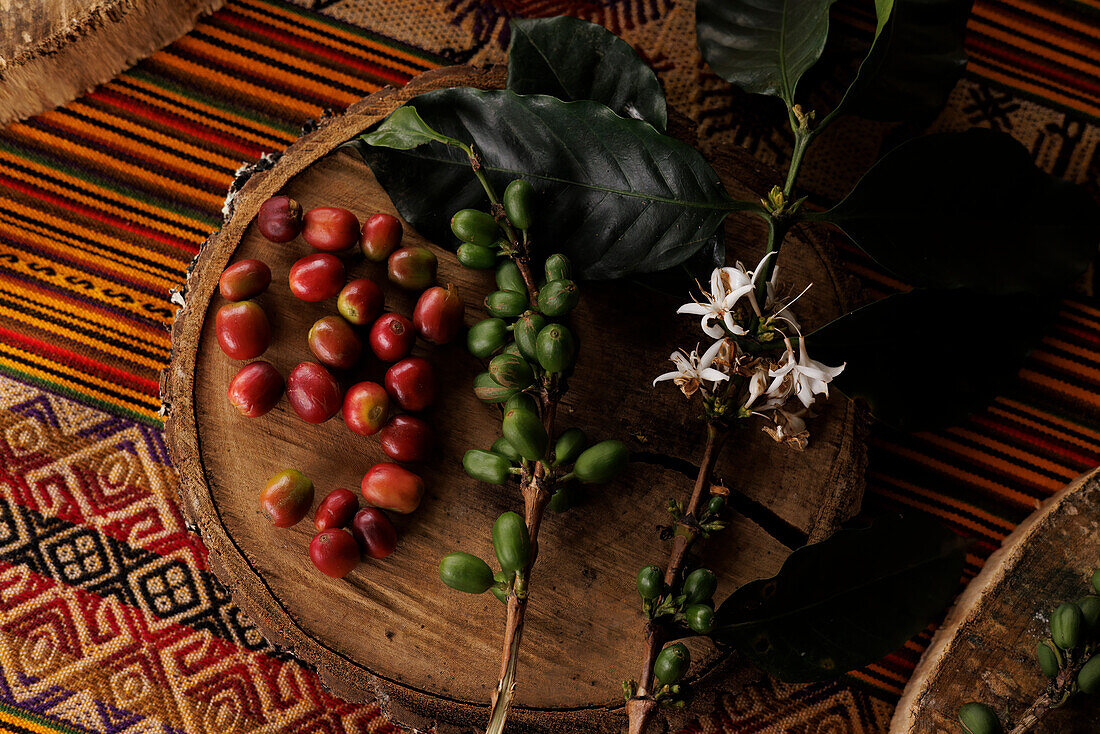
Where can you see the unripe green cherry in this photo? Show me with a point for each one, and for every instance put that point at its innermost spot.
(486, 337)
(1089, 676)
(476, 257)
(650, 582)
(1049, 658)
(558, 297)
(522, 401)
(465, 572)
(518, 202)
(700, 618)
(567, 497)
(1065, 626)
(557, 267)
(511, 542)
(569, 446)
(487, 466)
(1096, 581)
(671, 663)
(524, 430)
(506, 304)
(556, 349)
(489, 390)
(699, 586)
(509, 278)
(977, 718)
(511, 370)
(471, 225)
(716, 504)
(502, 447)
(1090, 611)
(526, 332)
(601, 463)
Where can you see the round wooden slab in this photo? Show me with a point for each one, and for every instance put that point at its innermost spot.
(391, 629)
(985, 650)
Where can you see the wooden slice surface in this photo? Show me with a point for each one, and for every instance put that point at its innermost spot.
(391, 629)
(51, 51)
(985, 650)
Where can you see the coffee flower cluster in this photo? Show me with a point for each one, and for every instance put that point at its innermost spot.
(758, 365)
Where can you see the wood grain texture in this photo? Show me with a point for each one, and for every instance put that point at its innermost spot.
(51, 51)
(985, 650)
(390, 629)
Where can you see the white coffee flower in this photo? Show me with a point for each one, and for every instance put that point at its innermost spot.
(803, 377)
(692, 370)
(727, 287)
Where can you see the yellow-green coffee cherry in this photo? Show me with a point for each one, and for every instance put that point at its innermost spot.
(1089, 676)
(569, 446)
(556, 349)
(506, 304)
(465, 572)
(1065, 626)
(1049, 658)
(476, 257)
(486, 466)
(518, 202)
(505, 449)
(489, 390)
(700, 618)
(977, 718)
(558, 297)
(524, 430)
(511, 370)
(671, 663)
(486, 337)
(601, 463)
(511, 542)
(557, 267)
(1090, 611)
(471, 225)
(699, 586)
(509, 278)
(650, 582)
(526, 332)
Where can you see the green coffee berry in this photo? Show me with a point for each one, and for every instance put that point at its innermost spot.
(558, 297)
(1065, 626)
(1088, 678)
(525, 432)
(509, 278)
(699, 586)
(506, 304)
(518, 201)
(486, 466)
(489, 390)
(1096, 581)
(1090, 611)
(700, 618)
(601, 463)
(511, 542)
(465, 572)
(486, 337)
(522, 401)
(569, 446)
(671, 663)
(476, 257)
(977, 718)
(526, 333)
(557, 267)
(556, 349)
(716, 504)
(1049, 659)
(511, 370)
(471, 225)
(650, 582)
(566, 497)
(505, 449)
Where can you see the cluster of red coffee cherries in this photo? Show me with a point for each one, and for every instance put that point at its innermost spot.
(312, 389)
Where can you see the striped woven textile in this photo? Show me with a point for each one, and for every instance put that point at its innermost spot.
(110, 620)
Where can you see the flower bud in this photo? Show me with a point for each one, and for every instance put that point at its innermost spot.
(569, 446)
(556, 349)
(476, 257)
(517, 200)
(650, 582)
(525, 431)
(558, 297)
(510, 370)
(486, 466)
(511, 542)
(471, 225)
(977, 718)
(1065, 626)
(465, 572)
(699, 586)
(486, 337)
(506, 304)
(671, 663)
(601, 463)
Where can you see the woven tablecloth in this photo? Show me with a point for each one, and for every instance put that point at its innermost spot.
(110, 620)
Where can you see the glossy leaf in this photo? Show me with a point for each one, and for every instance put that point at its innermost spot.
(574, 59)
(927, 358)
(404, 129)
(613, 194)
(970, 210)
(762, 46)
(915, 61)
(845, 602)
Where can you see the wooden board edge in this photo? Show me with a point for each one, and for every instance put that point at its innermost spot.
(967, 606)
(90, 50)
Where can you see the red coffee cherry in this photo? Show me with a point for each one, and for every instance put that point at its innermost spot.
(334, 552)
(407, 438)
(242, 329)
(244, 279)
(317, 277)
(313, 392)
(392, 487)
(256, 389)
(336, 510)
(373, 531)
(334, 343)
(360, 301)
(392, 337)
(366, 407)
(286, 498)
(279, 219)
(411, 383)
(330, 228)
(381, 236)
(412, 268)
(438, 314)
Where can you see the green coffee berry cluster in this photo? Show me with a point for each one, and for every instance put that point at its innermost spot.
(512, 545)
(692, 605)
(1074, 640)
